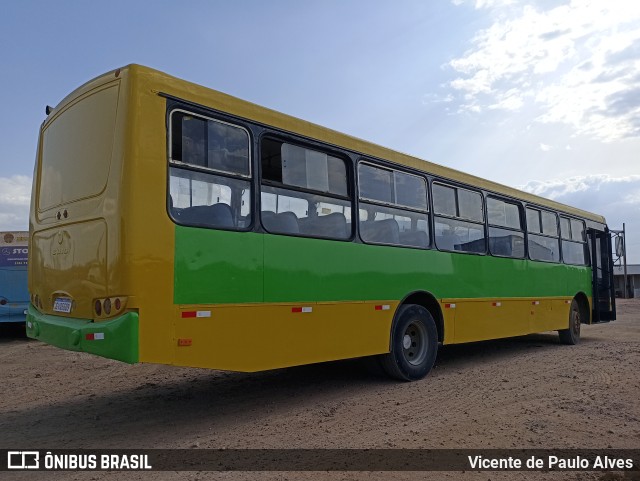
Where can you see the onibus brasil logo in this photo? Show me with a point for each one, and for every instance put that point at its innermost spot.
(74, 461)
(23, 460)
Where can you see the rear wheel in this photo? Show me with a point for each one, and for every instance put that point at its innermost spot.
(571, 336)
(414, 344)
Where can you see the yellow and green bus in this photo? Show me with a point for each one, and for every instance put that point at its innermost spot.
(174, 224)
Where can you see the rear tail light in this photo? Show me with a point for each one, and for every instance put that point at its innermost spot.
(109, 306)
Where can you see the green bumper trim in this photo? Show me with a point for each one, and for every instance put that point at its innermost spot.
(115, 339)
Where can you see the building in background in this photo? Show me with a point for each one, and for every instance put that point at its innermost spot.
(633, 280)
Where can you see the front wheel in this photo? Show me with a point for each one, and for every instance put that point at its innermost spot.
(414, 344)
(571, 336)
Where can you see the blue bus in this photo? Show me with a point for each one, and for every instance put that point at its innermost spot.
(14, 293)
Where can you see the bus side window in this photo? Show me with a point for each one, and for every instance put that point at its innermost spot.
(394, 207)
(458, 219)
(542, 235)
(306, 190)
(209, 173)
(506, 237)
(574, 247)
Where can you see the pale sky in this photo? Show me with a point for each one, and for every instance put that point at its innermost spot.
(541, 95)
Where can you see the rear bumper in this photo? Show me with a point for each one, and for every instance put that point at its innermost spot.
(14, 312)
(114, 339)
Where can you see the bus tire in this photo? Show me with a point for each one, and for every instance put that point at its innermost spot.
(414, 344)
(571, 336)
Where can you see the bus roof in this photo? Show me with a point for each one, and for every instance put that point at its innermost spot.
(161, 83)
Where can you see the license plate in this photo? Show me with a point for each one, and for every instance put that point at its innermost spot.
(61, 304)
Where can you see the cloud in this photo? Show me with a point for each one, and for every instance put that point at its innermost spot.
(512, 99)
(617, 198)
(558, 189)
(15, 196)
(576, 63)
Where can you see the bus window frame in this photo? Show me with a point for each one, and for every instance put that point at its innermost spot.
(483, 223)
(365, 200)
(225, 173)
(522, 230)
(557, 237)
(174, 105)
(317, 146)
(584, 242)
(393, 170)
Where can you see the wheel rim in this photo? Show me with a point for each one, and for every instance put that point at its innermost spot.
(414, 343)
(575, 321)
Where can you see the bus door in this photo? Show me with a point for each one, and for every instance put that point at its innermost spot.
(604, 301)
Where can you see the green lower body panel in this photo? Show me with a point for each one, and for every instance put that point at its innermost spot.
(115, 339)
(225, 267)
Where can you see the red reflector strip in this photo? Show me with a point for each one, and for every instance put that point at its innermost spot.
(567, 302)
(383, 307)
(196, 314)
(301, 309)
(184, 342)
(94, 336)
(449, 306)
(536, 303)
(496, 304)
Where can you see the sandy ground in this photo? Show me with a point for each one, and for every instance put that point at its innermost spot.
(527, 392)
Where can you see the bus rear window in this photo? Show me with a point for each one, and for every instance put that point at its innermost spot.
(76, 149)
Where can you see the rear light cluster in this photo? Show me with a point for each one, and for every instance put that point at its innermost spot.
(109, 306)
